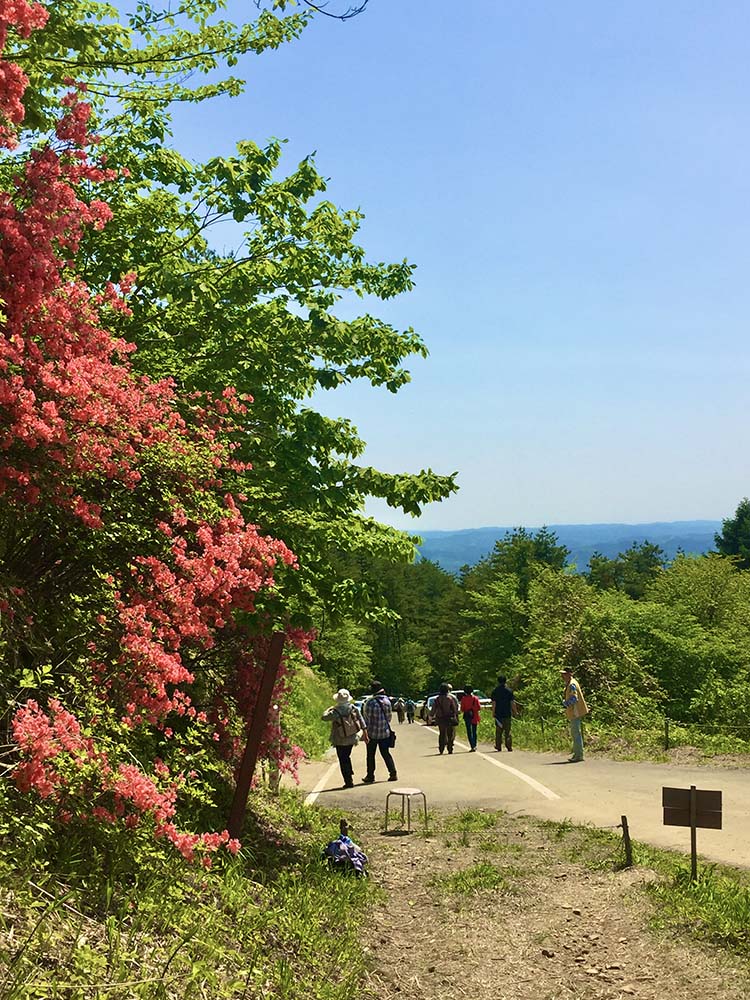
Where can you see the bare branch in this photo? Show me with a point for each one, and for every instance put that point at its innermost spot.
(346, 16)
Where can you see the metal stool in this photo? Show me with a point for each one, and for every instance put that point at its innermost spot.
(406, 794)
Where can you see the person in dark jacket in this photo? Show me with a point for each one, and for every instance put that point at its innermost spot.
(347, 728)
(503, 708)
(445, 711)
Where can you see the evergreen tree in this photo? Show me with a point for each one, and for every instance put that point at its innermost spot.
(734, 538)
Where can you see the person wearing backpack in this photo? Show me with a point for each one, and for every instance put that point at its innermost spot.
(470, 707)
(347, 726)
(445, 710)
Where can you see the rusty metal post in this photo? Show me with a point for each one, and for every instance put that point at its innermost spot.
(254, 734)
(626, 842)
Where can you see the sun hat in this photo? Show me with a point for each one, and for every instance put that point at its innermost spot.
(342, 696)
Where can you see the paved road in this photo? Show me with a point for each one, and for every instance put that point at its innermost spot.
(596, 791)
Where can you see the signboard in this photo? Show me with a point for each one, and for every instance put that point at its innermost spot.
(676, 803)
(693, 807)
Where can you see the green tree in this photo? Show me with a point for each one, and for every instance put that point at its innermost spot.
(262, 316)
(734, 538)
(520, 553)
(708, 588)
(631, 572)
(495, 622)
(573, 626)
(343, 653)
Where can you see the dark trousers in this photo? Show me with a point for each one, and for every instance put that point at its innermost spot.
(446, 735)
(345, 763)
(471, 732)
(385, 752)
(502, 728)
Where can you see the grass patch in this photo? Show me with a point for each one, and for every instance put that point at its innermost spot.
(272, 922)
(309, 697)
(621, 743)
(716, 908)
(472, 821)
(482, 877)
(493, 846)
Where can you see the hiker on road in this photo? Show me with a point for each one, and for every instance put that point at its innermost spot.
(470, 708)
(347, 728)
(400, 711)
(445, 711)
(575, 709)
(410, 709)
(503, 709)
(377, 714)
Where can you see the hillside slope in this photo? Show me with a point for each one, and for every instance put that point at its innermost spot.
(454, 549)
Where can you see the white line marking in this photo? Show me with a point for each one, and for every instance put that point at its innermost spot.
(532, 782)
(321, 784)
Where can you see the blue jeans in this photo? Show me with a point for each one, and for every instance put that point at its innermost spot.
(577, 734)
(471, 733)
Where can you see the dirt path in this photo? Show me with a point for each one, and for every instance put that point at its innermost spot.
(537, 926)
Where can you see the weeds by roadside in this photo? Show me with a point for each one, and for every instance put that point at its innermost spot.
(625, 742)
(274, 923)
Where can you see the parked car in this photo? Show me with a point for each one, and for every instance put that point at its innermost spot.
(484, 701)
(424, 708)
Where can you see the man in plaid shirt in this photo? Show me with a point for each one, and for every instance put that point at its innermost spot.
(376, 712)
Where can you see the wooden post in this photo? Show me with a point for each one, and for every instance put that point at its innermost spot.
(626, 842)
(693, 836)
(254, 734)
(666, 732)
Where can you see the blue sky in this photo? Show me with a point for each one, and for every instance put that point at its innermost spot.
(572, 181)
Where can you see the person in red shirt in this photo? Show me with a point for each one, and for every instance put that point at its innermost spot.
(470, 708)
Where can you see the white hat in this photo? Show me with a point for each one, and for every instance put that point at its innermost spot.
(342, 696)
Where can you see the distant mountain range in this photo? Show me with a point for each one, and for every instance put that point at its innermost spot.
(454, 549)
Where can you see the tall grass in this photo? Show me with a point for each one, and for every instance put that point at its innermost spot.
(272, 922)
(623, 739)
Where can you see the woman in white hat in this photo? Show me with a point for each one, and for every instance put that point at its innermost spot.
(347, 726)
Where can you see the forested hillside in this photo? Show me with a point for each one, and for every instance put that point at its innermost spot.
(454, 549)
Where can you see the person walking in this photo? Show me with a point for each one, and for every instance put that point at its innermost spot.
(400, 710)
(347, 727)
(575, 710)
(410, 709)
(377, 715)
(445, 711)
(503, 710)
(470, 706)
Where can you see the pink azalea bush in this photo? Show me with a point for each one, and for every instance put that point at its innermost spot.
(80, 433)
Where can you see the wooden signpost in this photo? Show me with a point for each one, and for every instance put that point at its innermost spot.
(693, 807)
